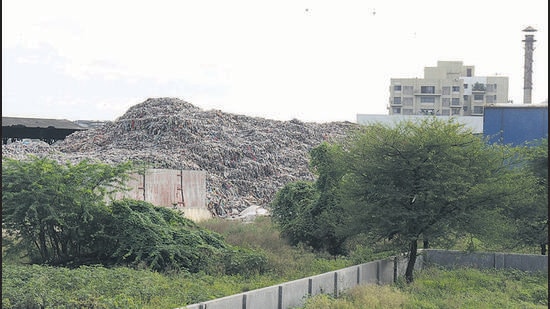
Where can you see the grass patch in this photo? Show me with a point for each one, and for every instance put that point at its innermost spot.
(34, 286)
(442, 288)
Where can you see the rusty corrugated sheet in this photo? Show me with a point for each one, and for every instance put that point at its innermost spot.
(184, 190)
(135, 186)
(194, 188)
(163, 187)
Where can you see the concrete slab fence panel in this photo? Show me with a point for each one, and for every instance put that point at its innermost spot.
(458, 258)
(369, 273)
(228, 302)
(295, 293)
(347, 278)
(385, 271)
(322, 284)
(401, 266)
(265, 298)
(526, 262)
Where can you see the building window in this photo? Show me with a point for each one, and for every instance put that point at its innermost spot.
(465, 86)
(396, 100)
(469, 72)
(478, 110)
(408, 101)
(427, 99)
(466, 98)
(445, 102)
(456, 88)
(445, 112)
(446, 90)
(427, 89)
(465, 108)
(491, 87)
(397, 88)
(455, 111)
(478, 97)
(396, 110)
(455, 101)
(408, 90)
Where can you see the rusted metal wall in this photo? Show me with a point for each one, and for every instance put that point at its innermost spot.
(135, 186)
(163, 187)
(179, 189)
(194, 189)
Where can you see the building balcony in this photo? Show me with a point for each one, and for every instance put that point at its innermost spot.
(418, 93)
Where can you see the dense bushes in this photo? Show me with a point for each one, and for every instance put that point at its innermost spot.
(59, 215)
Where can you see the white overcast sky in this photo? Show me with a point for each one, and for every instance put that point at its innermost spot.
(311, 60)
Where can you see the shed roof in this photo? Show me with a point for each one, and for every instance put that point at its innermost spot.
(40, 123)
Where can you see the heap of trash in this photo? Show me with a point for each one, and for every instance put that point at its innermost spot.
(246, 159)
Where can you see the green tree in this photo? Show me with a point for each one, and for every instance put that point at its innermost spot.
(530, 215)
(327, 213)
(290, 210)
(61, 214)
(51, 207)
(424, 180)
(310, 212)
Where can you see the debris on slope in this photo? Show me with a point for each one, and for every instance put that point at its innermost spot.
(247, 159)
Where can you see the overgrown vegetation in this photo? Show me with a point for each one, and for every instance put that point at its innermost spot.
(94, 286)
(60, 215)
(34, 286)
(379, 194)
(442, 288)
(430, 182)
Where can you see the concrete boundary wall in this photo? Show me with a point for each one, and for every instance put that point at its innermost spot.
(481, 260)
(294, 293)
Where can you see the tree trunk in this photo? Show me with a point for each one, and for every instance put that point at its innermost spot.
(412, 260)
(426, 244)
(543, 249)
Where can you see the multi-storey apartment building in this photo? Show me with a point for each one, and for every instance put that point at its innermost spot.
(450, 89)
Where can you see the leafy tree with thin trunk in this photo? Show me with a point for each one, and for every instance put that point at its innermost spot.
(309, 212)
(423, 180)
(530, 215)
(54, 208)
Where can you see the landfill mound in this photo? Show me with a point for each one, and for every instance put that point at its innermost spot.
(246, 159)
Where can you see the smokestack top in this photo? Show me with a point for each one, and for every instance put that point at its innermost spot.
(529, 29)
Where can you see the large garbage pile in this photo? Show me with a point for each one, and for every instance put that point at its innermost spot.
(246, 159)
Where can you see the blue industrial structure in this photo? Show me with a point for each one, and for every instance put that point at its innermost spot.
(515, 124)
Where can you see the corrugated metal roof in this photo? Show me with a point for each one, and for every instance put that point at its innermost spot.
(40, 123)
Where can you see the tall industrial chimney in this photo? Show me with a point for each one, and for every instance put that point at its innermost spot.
(528, 67)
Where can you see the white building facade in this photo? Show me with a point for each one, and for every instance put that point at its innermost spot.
(450, 89)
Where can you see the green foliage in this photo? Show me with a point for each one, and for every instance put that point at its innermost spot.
(55, 210)
(58, 215)
(31, 286)
(86, 287)
(159, 238)
(120, 287)
(441, 288)
(283, 260)
(530, 215)
(291, 210)
(424, 181)
(309, 213)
